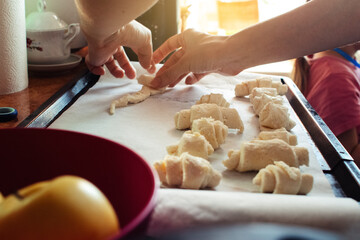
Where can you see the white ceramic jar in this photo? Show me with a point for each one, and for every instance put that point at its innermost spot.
(48, 38)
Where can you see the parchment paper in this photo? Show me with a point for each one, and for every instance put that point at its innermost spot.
(148, 127)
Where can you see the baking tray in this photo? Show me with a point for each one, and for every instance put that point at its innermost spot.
(52, 108)
(336, 163)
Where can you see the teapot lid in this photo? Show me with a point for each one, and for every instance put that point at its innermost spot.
(44, 20)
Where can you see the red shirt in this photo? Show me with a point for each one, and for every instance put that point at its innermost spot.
(334, 92)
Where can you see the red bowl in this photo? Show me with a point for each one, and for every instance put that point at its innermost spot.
(128, 181)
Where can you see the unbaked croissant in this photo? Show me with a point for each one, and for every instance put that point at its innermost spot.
(145, 79)
(275, 116)
(216, 98)
(229, 116)
(187, 171)
(282, 179)
(214, 131)
(192, 143)
(257, 154)
(259, 102)
(136, 97)
(244, 88)
(281, 134)
(258, 92)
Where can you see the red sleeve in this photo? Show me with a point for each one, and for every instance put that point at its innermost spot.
(337, 101)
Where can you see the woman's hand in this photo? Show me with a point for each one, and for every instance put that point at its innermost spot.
(110, 52)
(198, 54)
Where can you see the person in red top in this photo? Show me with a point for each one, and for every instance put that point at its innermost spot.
(330, 80)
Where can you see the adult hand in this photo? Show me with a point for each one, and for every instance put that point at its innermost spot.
(198, 54)
(110, 52)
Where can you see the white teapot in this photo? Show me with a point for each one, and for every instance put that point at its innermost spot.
(48, 38)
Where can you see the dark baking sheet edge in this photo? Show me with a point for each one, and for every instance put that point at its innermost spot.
(50, 110)
(337, 164)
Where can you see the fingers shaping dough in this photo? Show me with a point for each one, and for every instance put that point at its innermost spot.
(145, 79)
(275, 116)
(229, 116)
(283, 179)
(245, 87)
(145, 92)
(216, 98)
(187, 171)
(192, 143)
(281, 134)
(214, 131)
(257, 154)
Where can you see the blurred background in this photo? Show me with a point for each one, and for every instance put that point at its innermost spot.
(168, 17)
(226, 17)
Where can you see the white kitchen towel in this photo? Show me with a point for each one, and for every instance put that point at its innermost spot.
(13, 58)
(183, 209)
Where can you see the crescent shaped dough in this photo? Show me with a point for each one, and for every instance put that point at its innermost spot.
(192, 143)
(133, 98)
(244, 88)
(257, 154)
(275, 116)
(214, 131)
(187, 171)
(258, 92)
(229, 116)
(281, 134)
(279, 178)
(260, 101)
(216, 98)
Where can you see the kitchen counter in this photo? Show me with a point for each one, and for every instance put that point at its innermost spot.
(42, 86)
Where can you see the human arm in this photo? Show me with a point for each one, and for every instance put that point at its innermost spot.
(350, 141)
(108, 25)
(313, 27)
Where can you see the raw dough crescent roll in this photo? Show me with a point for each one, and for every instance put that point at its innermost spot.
(259, 102)
(214, 131)
(182, 119)
(229, 116)
(281, 88)
(280, 178)
(170, 170)
(281, 134)
(145, 79)
(216, 98)
(136, 97)
(275, 116)
(192, 143)
(244, 88)
(257, 154)
(258, 92)
(187, 171)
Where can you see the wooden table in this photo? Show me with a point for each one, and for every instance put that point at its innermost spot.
(42, 86)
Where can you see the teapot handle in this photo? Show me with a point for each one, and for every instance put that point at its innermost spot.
(72, 32)
(41, 5)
